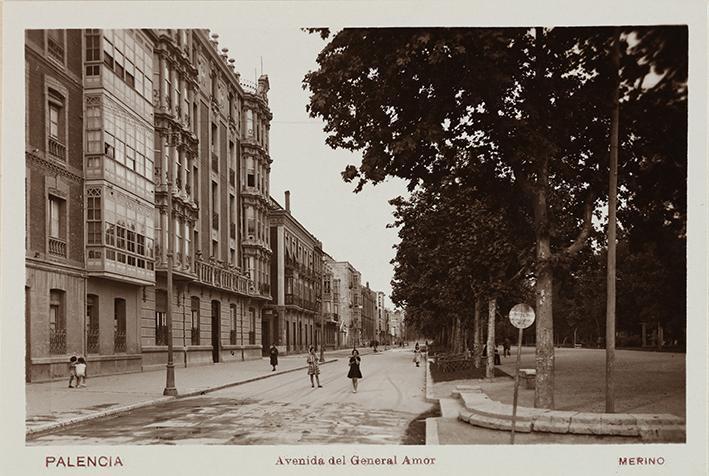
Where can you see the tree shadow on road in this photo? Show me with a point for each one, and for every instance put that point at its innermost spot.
(416, 431)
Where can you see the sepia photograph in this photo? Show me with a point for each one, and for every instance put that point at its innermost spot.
(303, 235)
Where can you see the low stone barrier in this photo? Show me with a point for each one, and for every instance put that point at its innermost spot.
(481, 411)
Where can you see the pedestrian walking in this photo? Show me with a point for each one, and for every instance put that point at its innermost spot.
(416, 348)
(273, 353)
(506, 344)
(313, 367)
(417, 356)
(354, 373)
(72, 371)
(80, 372)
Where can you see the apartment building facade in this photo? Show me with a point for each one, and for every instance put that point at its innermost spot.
(296, 280)
(126, 118)
(347, 282)
(330, 304)
(369, 315)
(55, 286)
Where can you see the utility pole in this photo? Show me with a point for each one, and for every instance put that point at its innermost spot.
(170, 388)
(612, 205)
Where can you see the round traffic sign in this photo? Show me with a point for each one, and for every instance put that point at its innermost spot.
(522, 316)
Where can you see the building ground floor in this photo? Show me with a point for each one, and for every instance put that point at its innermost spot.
(121, 327)
(292, 329)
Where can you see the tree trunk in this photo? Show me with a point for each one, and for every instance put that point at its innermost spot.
(544, 387)
(477, 338)
(455, 337)
(490, 368)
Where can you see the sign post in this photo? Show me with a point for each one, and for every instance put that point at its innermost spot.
(521, 316)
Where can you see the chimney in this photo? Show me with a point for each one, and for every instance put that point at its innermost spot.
(288, 201)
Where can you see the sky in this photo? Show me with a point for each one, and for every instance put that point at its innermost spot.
(351, 227)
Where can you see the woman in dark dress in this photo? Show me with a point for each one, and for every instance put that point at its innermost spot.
(274, 356)
(354, 372)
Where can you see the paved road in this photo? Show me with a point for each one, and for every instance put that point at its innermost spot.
(280, 410)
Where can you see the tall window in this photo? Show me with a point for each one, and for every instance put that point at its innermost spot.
(213, 138)
(160, 317)
(56, 226)
(215, 205)
(57, 322)
(55, 45)
(252, 323)
(56, 124)
(93, 217)
(249, 123)
(250, 172)
(119, 325)
(92, 331)
(93, 52)
(194, 308)
(250, 221)
(232, 322)
(93, 129)
(54, 112)
(55, 218)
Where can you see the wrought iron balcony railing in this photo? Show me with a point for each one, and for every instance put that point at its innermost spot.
(92, 341)
(119, 342)
(57, 341)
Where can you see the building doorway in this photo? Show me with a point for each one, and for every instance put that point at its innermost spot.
(265, 335)
(287, 337)
(216, 329)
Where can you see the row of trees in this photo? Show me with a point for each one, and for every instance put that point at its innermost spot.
(503, 136)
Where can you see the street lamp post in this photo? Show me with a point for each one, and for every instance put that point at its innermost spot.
(170, 388)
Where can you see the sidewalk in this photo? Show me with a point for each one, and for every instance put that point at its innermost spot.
(52, 405)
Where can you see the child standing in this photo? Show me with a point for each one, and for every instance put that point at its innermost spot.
(313, 367)
(81, 373)
(72, 371)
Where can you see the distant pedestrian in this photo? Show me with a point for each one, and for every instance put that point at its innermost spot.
(417, 357)
(416, 348)
(273, 353)
(354, 372)
(80, 372)
(496, 358)
(506, 345)
(313, 367)
(72, 371)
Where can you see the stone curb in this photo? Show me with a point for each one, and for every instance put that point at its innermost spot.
(432, 431)
(31, 433)
(429, 387)
(487, 413)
